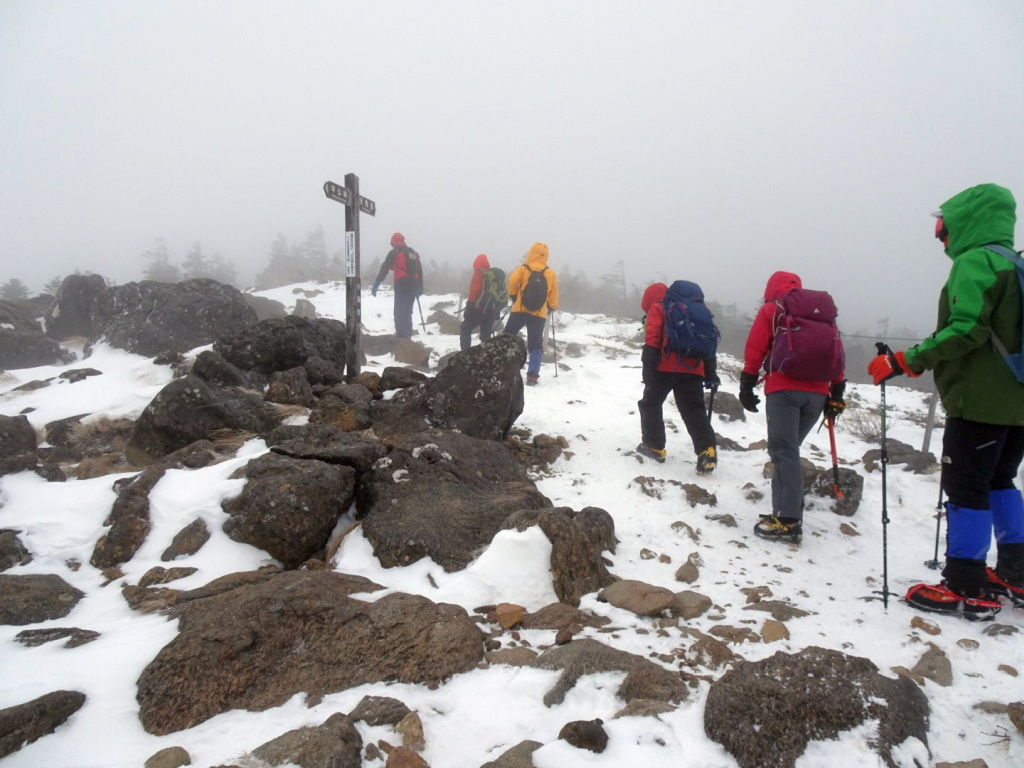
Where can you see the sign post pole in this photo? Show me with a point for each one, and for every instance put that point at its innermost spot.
(348, 196)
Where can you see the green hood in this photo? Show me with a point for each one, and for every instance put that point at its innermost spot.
(979, 216)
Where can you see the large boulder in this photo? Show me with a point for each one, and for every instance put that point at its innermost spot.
(644, 678)
(766, 712)
(23, 343)
(327, 444)
(128, 520)
(150, 318)
(24, 723)
(577, 540)
(71, 313)
(333, 744)
(214, 369)
(265, 309)
(17, 436)
(479, 393)
(256, 646)
(289, 507)
(12, 551)
(441, 495)
(33, 598)
(283, 344)
(189, 409)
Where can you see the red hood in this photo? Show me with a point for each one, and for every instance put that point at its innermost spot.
(653, 295)
(780, 283)
(397, 239)
(481, 262)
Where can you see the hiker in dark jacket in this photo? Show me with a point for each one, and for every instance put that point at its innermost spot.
(405, 263)
(522, 316)
(793, 408)
(480, 311)
(983, 441)
(667, 371)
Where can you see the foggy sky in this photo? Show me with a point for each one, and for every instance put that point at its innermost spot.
(716, 142)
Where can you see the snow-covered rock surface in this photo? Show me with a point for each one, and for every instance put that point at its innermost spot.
(476, 716)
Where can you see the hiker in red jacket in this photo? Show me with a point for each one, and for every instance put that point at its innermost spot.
(794, 403)
(405, 263)
(479, 311)
(667, 371)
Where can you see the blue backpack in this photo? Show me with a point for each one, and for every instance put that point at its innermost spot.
(690, 329)
(1015, 360)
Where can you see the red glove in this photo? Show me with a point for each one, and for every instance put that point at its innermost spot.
(885, 367)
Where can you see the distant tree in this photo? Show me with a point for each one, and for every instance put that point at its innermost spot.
(223, 270)
(195, 263)
(315, 255)
(286, 266)
(13, 290)
(159, 268)
(336, 269)
(616, 279)
(53, 285)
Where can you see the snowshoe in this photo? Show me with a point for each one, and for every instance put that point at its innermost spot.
(706, 461)
(779, 528)
(1003, 588)
(532, 379)
(939, 598)
(652, 453)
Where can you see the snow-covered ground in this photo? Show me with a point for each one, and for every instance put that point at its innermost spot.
(478, 715)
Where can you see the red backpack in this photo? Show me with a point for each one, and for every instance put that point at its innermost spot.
(806, 343)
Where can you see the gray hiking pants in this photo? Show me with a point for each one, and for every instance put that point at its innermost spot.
(791, 415)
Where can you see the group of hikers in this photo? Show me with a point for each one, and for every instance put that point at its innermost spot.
(795, 351)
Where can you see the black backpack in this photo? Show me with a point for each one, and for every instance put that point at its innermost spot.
(535, 294)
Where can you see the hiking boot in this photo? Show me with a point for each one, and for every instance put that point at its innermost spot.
(658, 454)
(706, 461)
(780, 528)
(1001, 587)
(939, 598)
(532, 379)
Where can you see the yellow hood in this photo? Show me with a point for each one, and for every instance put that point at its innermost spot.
(537, 259)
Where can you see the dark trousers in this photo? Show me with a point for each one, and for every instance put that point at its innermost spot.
(979, 466)
(405, 298)
(534, 336)
(791, 415)
(689, 391)
(473, 317)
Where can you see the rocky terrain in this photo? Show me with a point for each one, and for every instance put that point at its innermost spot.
(216, 549)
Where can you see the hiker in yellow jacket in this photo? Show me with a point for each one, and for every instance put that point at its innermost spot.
(533, 288)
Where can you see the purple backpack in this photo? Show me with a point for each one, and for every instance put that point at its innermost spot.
(806, 343)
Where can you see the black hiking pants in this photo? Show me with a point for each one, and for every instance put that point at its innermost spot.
(688, 389)
(473, 317)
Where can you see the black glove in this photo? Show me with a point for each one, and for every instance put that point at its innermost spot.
(838, 390)
(835, 405)
(748, 399)
(712, 381)
(649, 359)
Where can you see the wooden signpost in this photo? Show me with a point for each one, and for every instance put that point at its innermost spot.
(348, 195)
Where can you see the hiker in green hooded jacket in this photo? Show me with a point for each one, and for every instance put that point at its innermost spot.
(983, 441)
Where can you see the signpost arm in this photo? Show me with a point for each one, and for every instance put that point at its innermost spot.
(353, 287)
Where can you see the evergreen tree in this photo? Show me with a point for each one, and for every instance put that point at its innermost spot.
(223, 270)
(195, 263)
(53, 285)
(13, 290)
(315, 255)
(159, 268)
(336, 270)
(284, 267)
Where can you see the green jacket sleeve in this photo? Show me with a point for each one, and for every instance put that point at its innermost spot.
(965, 319)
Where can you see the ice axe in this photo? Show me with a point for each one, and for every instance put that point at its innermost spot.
(421, 314)
(711, 402)
(837, 492)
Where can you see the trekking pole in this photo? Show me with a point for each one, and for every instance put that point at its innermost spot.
(554, 342)
(934, 562)
(421, 314)
(883, 349)
(711, 402)
(836, 490)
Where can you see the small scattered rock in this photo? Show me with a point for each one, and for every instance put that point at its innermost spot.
(638, 597)
(773, 631)
(848, 530)
(403, 757)
(689, 571)
(519, 756)
(644, 708)
(1016, 713)
(935, 666)
(75, 636)
(735, 635)
(509, 614)
(925, 626)
(24, 723)
(380, 710)
(172, 757)
(411, 728)
(515, 657)
(160, 575)
(1011, 671)
(968, 643)
(585, 734)
(999, 630)
(689, 604)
